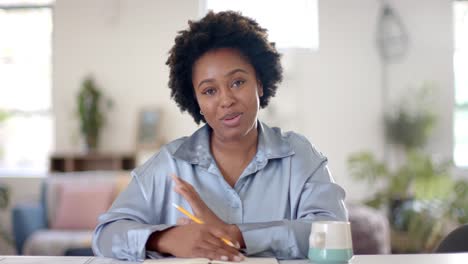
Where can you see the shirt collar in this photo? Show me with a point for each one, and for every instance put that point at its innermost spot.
(271, 145)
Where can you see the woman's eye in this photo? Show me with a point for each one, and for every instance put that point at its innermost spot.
(209, 91)
(238, 83)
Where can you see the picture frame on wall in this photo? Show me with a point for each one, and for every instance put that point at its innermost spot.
(148, 128)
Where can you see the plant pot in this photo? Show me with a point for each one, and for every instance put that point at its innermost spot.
(416, 225)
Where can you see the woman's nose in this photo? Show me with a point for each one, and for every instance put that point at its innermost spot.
(227, 98)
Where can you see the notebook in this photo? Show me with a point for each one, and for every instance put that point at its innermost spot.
(207, 261)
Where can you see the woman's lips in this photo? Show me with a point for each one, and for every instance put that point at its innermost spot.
(232, 120)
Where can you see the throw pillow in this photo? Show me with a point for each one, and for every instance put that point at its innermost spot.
(80, 205)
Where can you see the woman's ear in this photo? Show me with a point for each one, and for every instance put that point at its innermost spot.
(259, 88)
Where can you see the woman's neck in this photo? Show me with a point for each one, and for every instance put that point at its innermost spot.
(233, 156)
(242, 146)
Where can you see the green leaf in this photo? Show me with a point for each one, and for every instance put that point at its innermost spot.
(364, 166)
(4, 115)
(91, 111)
(4, 196)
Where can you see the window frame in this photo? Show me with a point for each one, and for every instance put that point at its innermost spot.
(6, 172)
(315, 45)
(459, 169)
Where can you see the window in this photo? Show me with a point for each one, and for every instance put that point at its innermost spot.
(25, 87)
(290, 24)
(460, 60)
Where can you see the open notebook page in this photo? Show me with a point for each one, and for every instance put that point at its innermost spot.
(207, 261)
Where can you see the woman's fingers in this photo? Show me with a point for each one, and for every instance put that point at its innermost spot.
(183, 187)
(222, 241)
(216, 254)
(187, 191)
(183, 221)
(198, 241)
(199, 208)
(220, 254)
(225, 237)
(193, 199)
(217, 248)
(179, 181)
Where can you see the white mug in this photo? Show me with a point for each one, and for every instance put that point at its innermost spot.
(330, 242)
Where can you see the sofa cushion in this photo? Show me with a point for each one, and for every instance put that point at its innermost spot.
(80, 205)
(56, 242)
(370, 230)
(53, 183)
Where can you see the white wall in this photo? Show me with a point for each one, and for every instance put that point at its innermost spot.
(125, 46)
(332, 96)
(430, 58)
(339, 87)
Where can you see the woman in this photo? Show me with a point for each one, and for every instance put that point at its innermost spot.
(249, 183)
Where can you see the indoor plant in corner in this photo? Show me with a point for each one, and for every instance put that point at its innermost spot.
(418, 192)
(4, 191)
(4, 201)
(91, 112)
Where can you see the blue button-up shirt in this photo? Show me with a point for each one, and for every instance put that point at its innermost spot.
(285, 187)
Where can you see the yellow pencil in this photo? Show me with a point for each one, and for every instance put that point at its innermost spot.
(199, 221)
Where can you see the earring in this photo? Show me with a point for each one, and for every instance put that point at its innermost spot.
(201, 113)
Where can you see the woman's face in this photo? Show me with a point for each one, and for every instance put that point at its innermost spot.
(228, 92)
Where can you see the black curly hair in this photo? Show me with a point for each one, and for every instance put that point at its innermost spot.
(226, 29)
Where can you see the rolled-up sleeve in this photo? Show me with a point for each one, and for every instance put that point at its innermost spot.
(320, 199)
(123, 231)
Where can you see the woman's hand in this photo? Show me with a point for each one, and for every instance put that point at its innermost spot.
(194, 240)
(199, 208)
(202, 211)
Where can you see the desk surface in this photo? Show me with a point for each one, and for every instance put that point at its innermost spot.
(460, 258)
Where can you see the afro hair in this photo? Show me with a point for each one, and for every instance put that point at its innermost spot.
(226, 29)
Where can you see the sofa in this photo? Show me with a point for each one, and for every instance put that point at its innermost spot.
(63, 221)
(370, 230)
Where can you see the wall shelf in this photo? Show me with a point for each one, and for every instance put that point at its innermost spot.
(90, 162)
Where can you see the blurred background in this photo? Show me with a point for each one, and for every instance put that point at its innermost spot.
(380, 87)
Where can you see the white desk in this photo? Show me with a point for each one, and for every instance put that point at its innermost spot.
(59, 260)
(461, 258)
(411, 259)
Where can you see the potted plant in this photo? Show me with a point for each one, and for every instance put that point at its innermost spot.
(417, 192)
(4, 115)
(91, 112)
(410, 126)
(419, 196)
(4, 202)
